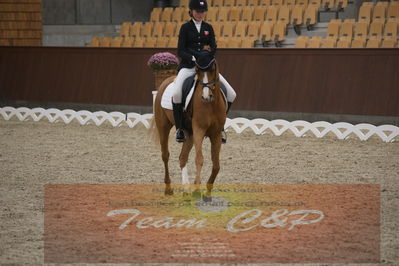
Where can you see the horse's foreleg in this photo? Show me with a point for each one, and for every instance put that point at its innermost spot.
(164, 139)
(216, 143)
(183, 158)
(199, 158)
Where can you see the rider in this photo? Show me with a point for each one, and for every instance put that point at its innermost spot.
(193, 36)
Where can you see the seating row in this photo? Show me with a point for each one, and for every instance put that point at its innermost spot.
(255, 29)
(149, 42)
(380, 12)
(319, 42)
(164, 42)
(220, 14)
(362, 30)
(240, 3)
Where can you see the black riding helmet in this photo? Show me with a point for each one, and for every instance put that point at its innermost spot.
(198, 5)
(205, 60)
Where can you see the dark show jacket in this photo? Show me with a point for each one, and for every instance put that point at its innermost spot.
(191, 42)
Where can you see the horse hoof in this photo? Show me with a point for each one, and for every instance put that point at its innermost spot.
(169, 191)
(196, 195)
(207, 198)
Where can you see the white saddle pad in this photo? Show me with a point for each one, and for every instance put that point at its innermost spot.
(166, 101)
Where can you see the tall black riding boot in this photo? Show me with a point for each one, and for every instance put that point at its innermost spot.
(224, 135)
(178, 115)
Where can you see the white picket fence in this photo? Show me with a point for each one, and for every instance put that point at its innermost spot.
(299, 128)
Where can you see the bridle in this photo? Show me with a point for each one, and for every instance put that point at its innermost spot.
(210, 84)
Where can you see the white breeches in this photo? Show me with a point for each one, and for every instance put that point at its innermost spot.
(184, 73)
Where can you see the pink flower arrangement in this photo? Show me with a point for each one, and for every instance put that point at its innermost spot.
(163, 61)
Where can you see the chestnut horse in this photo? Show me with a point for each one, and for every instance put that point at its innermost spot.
(207, 110)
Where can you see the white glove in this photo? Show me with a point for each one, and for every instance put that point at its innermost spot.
(193, 59)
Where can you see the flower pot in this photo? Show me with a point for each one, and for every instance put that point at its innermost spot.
(161, 75)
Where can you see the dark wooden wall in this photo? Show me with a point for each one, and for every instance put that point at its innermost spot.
(331, 81)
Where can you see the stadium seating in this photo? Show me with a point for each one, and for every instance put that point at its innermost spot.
(305, 3)
(284, 15)
(116, 42)
(344, 43)
(297, 15)
(365, 13)
(212, 14)
(228, 29)
(173, 42)
(373, 43)
(379, 13)
(247, 43)
(135, 29)
(138, 42)
(128, 42)
(388, 43)
(161, 42)
(391, 29)
(155, 14)
(95, 42)
(375, 31)
(346, 29)
(279, 32)
(177, 14)
(247, 13)
(271, 15)
(125, 29)
(333, 28)
(340, 4)
(158, 29)
(290, 3)
(301, 42)
(361, 30)
(328, 4)
(223, 14)
(310, 17)
(241, 29)
(265, 31)
(253, 29)
(329, 43)
(259, 13)
(314, 42)
(235, 13)
(239, 23)
(105, 42)
(393, 10)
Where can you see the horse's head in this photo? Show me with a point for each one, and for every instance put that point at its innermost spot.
(208, 75)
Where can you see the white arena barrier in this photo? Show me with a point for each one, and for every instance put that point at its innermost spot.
(299, 128)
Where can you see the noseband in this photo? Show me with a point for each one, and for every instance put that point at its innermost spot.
(211, 84)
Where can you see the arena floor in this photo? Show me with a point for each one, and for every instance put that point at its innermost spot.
(33, 154)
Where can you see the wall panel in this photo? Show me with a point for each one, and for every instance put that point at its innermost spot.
(329, 81)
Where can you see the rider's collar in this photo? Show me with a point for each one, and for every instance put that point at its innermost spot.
(197, 24)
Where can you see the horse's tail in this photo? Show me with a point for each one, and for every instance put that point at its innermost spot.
(153, 130)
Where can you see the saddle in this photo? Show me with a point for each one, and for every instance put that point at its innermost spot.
(187, 92)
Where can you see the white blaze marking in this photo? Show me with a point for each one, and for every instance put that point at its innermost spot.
(205, 91)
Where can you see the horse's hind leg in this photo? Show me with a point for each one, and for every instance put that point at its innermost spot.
(216, 143)
(164, 139)
(183, 158)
